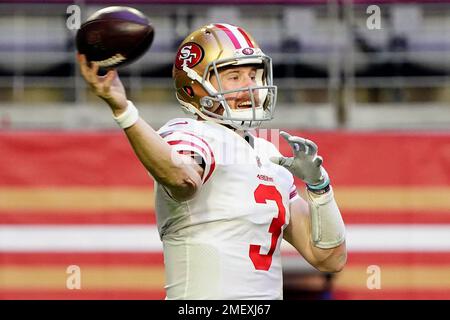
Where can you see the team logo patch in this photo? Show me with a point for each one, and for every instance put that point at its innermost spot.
(190, 54)
(248, 51)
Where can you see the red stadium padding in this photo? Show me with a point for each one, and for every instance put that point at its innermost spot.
(400, 258)
(21, 217)
(81, 258)
(99, 159)
(69, 159)
(402, 217)
(383, 159)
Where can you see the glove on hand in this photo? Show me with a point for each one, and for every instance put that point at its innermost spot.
(305, 164)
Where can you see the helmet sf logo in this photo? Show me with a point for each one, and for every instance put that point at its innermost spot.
(190, 54)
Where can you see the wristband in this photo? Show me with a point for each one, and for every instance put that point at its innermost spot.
(319, 191)
(129, 117)
(320, 187)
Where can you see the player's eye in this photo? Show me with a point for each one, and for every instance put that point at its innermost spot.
(233, 76)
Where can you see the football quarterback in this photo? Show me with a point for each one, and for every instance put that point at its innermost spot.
(225, 197)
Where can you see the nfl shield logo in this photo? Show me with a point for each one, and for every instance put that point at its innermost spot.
(258, 161)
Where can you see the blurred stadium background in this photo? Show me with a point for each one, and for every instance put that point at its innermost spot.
(377, 102)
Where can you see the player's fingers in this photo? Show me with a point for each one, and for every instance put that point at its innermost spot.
(81, 58)
(312, 147)
(288, 138)
(296, 148)
(94, 70)
(318, 161)
(109, 77)
(295, 139)
(82, 63)
(275, 160)
(285, 135)
(298, 144)
(91, 75)
(282, 161)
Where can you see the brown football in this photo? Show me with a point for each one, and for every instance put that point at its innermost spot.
(115, 36)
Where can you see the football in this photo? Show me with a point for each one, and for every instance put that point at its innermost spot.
(115, 36)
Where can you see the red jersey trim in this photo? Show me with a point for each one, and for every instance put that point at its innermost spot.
(212, 164)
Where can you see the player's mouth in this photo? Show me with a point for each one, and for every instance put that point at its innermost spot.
(244, 105)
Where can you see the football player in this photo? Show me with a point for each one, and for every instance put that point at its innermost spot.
(225, 198)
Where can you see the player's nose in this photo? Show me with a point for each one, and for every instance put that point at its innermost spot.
(249, 81)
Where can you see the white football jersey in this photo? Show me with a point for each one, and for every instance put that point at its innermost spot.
(225, 242)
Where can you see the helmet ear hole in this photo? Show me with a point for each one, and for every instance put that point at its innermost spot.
(189, 91)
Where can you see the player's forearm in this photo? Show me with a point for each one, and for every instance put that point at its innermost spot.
(299, 234)
(327, 232)
(158, 158)
(330, 260)
(327, 225)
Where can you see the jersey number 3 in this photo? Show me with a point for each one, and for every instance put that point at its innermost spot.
(262, 194)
